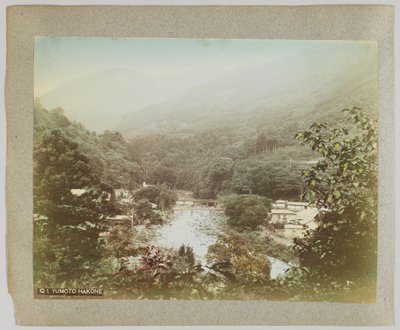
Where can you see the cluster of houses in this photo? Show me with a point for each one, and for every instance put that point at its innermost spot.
(289, 219)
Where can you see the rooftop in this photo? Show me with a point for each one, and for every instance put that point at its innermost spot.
(78, 192)
(293, 226)
(307, 214)
(298, 203)
(282, 211)
(119, 217)
(281, 201)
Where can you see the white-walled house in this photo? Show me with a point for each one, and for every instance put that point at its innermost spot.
(290, 219)
(280, 204)
(290, 230)
(293, 206)
(282, 215)
(297, 206)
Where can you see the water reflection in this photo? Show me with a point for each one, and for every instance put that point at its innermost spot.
(199, 228)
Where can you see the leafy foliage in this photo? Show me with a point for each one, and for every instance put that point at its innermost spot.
(163, 175)
(337, 260)
(246, 211)
(143, 211)
(265, 244)
(249, 266)
(214, 178)
(186, 252)
(108, 154)
(163, 274)
(66, 234)
(120, 242)
(341, 253)
(160, 195)
(266, 178)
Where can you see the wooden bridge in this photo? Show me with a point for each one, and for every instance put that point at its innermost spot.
(197, 208)
(193, 201)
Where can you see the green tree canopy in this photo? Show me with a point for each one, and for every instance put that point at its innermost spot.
(66, 236)
(160, 195)
(341, 252)
(215, 177)
(250, 266)
(163, 175)
(246, 211)
(267, 178)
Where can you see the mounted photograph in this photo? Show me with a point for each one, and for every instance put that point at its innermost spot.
(205, 169)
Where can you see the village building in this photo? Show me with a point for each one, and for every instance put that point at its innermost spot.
(290, 230)
(290, 219)
(78, 192)
(118, 220)
(282, 215)
(297, 206)
(293, 206)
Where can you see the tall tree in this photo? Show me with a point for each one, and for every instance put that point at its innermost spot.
(340, 255)
(261, 142)
(68, 229)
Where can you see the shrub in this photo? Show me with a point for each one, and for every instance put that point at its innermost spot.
(160, 195)
(246, 211)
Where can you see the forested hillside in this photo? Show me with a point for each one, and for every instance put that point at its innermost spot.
(225, 136)
(108, 152)
(288, 92)
(251, 152)
(207, 163)
(242, 153)
(232, 132)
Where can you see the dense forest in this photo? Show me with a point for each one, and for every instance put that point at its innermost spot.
(245, 169)
(209, 155)
(265, 161)
(108, 153)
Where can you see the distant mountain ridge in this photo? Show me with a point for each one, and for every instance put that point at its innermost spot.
(305, 85)
(99, 100)
(273, 94)
(107, 94)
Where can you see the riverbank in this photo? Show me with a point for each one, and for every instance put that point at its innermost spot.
(200, 226)
(267, 245)
(192, 224)
(195, 227)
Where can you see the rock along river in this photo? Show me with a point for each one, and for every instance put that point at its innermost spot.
(198, 228)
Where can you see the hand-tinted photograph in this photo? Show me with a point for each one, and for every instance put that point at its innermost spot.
(184, 169)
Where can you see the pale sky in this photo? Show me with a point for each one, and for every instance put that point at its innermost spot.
(98, 80)
(61, 59)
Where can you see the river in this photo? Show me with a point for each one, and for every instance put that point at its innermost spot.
(199, 227)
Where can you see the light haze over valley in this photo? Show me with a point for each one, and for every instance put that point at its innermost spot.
(141, 84)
